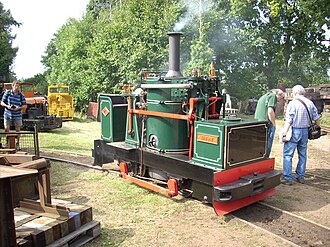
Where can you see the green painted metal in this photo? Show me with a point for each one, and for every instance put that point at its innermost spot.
(223, 144)
(166, 134)
(113, 118)
(106, 118)
(132, 138)
(170, 133)
(209, 144)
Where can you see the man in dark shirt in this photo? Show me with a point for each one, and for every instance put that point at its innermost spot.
(14, 102)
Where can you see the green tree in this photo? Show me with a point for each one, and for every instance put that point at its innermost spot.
(40, 84)
(109, 47)
(7, 52)
(268, 42)
(66, 56)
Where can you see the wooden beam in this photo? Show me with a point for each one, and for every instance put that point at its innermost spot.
(8, 150)
(18, 158)
(35, 164)
(35, 207)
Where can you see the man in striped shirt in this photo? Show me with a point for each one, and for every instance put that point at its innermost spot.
(297, 117)
(14, 102)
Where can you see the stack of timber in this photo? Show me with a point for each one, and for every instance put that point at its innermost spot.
(325, 95)
(34, 218)
(60, 224)
(320, 95)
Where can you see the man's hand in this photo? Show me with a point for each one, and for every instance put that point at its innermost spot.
(284, 139)
(17, 108)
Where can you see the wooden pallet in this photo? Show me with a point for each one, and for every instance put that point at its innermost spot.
(79, 237)
(36, 227)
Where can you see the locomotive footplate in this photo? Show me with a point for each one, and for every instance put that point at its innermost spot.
(249, 185)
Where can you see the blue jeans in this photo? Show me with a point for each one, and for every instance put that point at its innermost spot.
(298, 140)
(271, 134)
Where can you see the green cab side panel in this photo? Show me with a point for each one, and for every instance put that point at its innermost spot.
(113, 118)
(209, 144)
(132, 138)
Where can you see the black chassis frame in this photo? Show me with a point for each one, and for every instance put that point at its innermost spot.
(177, 166)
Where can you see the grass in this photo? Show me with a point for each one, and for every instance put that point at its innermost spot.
(133, 216)
(75, 136)
(325, 119)
(118, 205)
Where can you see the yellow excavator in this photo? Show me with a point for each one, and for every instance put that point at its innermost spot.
(60, 102)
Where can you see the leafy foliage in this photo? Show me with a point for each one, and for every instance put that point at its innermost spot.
(95, 55)
(255, 44)
(7, 52)
(40, 84)
(269, 42)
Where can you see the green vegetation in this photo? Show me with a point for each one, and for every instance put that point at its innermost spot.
(74, 136)
(7, 52)
(119, 205)
(325, 119)
(254, 44)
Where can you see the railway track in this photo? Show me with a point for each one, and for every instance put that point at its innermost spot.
(325, 129)
(290, 228)
(314, 180)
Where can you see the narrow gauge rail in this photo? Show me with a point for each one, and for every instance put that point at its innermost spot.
(291, 228)
(317, 176)
(315, 180)
(320, 182)
(325, 129)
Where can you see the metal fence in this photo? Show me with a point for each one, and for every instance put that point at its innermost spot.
(28, 141)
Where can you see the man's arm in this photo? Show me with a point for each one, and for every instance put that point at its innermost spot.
(271, 115)
(5, 105)
(318, 121)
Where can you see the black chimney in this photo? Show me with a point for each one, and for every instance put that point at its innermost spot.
(174, 55)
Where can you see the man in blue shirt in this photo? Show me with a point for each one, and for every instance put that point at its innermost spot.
(14, 102)
(297, 117)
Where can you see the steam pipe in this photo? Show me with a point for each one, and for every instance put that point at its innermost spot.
(162, 86)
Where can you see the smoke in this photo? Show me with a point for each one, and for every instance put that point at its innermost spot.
(194, 8)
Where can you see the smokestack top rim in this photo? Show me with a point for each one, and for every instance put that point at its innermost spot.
(174, 33)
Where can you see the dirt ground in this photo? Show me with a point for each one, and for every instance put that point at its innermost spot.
(186, 222)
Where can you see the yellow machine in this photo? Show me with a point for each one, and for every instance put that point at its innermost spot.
(60, 102)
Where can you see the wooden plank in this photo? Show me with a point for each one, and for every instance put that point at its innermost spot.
(9, 172)
(18, 158)
(60, 202)
(85, 212)
(51, 228)
(8, 150)
(26, 233)
(35, 164)
(22, 217)
(35, 208)
(74, 221)
(88, 231)
(3, 161)
(44, 187)
(45, 225)
(38, 204)
(7, 222)
(21, 242)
